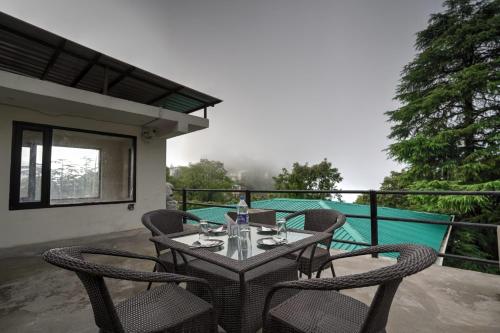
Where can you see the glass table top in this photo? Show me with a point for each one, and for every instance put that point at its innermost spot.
(231, 249)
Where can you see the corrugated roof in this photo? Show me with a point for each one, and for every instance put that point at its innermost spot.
(356, 229)
(28, 50)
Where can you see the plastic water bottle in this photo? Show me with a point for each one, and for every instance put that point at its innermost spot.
(242, 216)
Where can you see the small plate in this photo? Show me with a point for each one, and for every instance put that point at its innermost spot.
(266, 230)
(269, 242)
(207, 244)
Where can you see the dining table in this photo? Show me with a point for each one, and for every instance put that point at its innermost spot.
(241, 273)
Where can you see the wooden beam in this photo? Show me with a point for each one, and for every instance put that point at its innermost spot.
(106, 79)
(53, 59)
(120, 77)
(87, 68)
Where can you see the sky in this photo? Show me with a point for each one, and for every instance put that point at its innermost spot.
(301, 80)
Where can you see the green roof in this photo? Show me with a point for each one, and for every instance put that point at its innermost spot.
(356, 229)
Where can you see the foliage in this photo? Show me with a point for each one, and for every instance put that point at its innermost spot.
(321, 176)
(447, 126)
(446, 130)
(205, 174)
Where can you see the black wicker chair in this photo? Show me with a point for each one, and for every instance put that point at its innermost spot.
(166, 308)
(325, 220)
(320, 308)
(165, 222)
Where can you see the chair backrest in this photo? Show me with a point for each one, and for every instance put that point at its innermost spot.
(232, 215)
(165, 221)
(261, 216)
(321, 220)
(92, 277)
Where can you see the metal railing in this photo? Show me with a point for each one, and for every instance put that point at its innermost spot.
(373, 217)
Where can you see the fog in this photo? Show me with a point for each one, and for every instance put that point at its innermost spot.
(301, 80)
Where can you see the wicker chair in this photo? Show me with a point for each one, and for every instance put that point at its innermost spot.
(320, 308)
(165, 222)
(166, 308)
(325, 220)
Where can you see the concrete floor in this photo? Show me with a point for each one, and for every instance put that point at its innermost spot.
(37, 297)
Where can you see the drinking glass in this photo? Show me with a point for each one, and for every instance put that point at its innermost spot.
(281, 226)
(203, 235)
(244, 244)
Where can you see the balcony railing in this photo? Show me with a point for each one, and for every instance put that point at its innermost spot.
(373, 217)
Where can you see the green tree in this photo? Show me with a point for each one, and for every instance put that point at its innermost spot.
(321, 176)
(447, 126)
(446, 130)
(205, 174)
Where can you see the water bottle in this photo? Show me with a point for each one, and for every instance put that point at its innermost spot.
(242, 216)
(244, 239)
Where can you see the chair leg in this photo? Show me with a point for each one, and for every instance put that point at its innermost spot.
(333, 269)
(150, 283)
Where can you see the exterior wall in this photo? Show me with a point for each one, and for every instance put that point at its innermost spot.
(19, 227)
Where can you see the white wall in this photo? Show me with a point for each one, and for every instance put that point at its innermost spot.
(39, 225)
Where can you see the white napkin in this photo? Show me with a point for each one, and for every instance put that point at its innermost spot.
(279, 240)
(219, 229)
(205, 243)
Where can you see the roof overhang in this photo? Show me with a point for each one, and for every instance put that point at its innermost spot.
(55, 99)
(28, 50)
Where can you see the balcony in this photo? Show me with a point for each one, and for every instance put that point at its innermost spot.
(38, 297)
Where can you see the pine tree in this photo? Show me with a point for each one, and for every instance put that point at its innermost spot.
(447, 128)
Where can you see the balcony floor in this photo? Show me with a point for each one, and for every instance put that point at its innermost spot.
(37, 297)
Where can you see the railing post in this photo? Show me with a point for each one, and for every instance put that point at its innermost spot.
(373, 220)
(248, 198)
(184, 199)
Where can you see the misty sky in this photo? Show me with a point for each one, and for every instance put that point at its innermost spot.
(300, 80)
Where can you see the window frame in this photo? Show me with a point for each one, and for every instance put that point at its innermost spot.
(15, 167)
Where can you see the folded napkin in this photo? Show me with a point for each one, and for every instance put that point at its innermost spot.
(279, 240)
(205, 243)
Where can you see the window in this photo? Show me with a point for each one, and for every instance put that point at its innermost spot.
(53, 166)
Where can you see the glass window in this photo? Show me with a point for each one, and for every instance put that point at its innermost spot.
(74, 174)
(83, 168)
(87, 167)
(31, 166)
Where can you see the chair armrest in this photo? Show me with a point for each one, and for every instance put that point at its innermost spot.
(400, 248)
(61, 258)
(123, 254)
